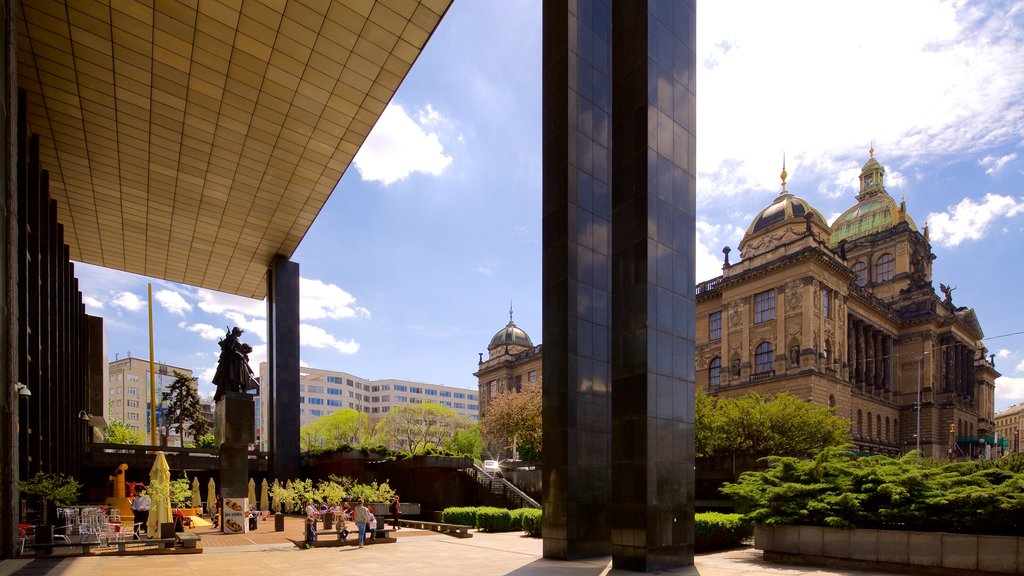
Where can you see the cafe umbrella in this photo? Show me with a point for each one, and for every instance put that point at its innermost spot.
(159, 490)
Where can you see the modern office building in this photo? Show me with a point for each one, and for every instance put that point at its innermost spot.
(323, 392)
(1009, 424)
(128, 397)
(512, 361)
(191, 142)
(846, 315)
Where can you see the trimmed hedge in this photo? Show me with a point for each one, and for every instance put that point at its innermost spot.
(717, 531)
(490, 519)
(464, 515)
(531, 520)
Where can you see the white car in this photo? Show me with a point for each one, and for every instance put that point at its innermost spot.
(491, 466)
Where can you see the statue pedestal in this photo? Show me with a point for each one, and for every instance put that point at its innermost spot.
(235, 425)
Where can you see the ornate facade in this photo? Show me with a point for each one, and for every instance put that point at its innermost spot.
(846, 315)
(512, 361)
(1009, 424)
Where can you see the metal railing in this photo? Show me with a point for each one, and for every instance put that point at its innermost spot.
(502, 487)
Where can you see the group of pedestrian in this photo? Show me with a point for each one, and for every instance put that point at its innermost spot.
(365, 520)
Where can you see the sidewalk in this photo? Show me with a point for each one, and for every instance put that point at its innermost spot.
(417, 553)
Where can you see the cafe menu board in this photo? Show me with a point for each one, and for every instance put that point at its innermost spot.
(234, 515)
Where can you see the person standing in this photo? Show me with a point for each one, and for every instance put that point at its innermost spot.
(311, 515)
(362, 518)
(140, 511)
(396, 510)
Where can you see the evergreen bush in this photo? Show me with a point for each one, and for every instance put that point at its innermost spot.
(464, 515)
(717, 531)
(490, 519)
(530, 520)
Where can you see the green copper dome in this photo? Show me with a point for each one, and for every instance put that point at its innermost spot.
(510, 334)
(874, 211)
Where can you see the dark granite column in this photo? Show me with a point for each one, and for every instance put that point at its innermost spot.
(653, 309)
(235, 424)
(282, 405)
(577, 278)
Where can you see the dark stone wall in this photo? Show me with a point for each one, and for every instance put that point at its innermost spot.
(283, 358)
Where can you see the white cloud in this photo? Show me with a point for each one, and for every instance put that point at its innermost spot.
(485, 269)
(317, 337)
(711, 238)
(995, 164)
(1003, 353)
(1009, 389)
(251, 326)
(321, 300)
(919, 78)
(1019, 367)
(173, 302)
(398, 145)
(205, 331)
(92, 302)
(128, 301)
(220, 303)
(970, 220)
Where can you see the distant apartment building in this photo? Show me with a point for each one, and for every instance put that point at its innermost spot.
(323, 392)
(128, 393)
(1008, 426)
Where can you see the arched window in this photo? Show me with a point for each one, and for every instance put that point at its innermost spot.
(888, 430)
(870, 418)
(878, 425)
(885, 267)
(831, 400)
(764, 357)
(715, 372)
(860, 423)
(860, 269)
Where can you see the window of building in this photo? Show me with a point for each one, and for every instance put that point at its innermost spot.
(715, 372)
(860, 270)
(375, 410)
(385, 409)
(471, 407)
(446, 394)
(715, 326)
(471, 396)
(337, 403)
(878, 424)
(532, 377)
(885, 267)
(133, 378)
(133, 416)
(400, 388)
(334, 391)
(375, 389)
(764, 306)
(401, 399)
(333, 380)
(764, 357)
(869, 424)
(133, 390)
(416, 390)
(430, 392)
(860, 423)
(375, 399)
(826, 308)
(133, 403)
(460, 395)
(348, 382)
(316, 389)
(460, 406)
(316, 412)
(385, 398)
(494, 388)
(302, 399)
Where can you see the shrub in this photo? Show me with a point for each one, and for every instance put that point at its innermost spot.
(716, 531)
(531, 520)
(492, 519)
(465, 515)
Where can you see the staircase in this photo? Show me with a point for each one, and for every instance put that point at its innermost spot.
(501, 487)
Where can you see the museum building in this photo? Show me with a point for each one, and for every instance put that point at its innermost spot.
(847, 316)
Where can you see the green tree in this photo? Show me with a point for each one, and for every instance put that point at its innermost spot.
(183, 411)
(765, 425)
(57, 488)
(515, 417)
(468, 442)
(206, 441)
(346, 427)
(118, 432)
(418, 427)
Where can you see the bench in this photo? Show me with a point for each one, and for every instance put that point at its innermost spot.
(47, 548)
(457, 530)
(122, 545)
(187, 539)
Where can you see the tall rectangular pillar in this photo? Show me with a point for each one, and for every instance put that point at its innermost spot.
(653, 307)
(618, 274)
(283, 358)
(577, 278)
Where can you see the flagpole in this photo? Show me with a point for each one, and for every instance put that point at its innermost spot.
(152, 375)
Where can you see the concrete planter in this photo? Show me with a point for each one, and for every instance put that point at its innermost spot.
(895, 550)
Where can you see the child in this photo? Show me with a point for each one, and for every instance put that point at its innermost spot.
(372, 528)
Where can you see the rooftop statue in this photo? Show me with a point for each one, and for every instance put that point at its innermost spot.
(233, 371)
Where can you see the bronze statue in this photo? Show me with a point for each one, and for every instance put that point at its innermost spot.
(948, 291)
(233, 371)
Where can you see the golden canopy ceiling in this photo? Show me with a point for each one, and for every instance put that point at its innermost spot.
(194, 140)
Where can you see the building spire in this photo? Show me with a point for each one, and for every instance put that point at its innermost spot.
(871, 151)
(784, 173)
(510, 311)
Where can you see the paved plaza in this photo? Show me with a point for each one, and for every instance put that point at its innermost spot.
(415, 553)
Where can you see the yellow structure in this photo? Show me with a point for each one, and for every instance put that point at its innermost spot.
(119, 499)
(846, 315)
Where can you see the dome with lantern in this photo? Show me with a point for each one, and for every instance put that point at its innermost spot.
(787, 217)
(874, 211)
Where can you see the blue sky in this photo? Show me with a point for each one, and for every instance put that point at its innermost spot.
(411, 266)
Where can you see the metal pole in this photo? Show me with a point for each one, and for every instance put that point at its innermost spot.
(920, 367)
(152, 375)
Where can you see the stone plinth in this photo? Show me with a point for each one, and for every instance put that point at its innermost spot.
(235, 426)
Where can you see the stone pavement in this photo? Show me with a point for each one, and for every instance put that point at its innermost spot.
(416, 553)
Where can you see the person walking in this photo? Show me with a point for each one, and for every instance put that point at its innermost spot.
(362, 518)
(140, 511)
(396, 510)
